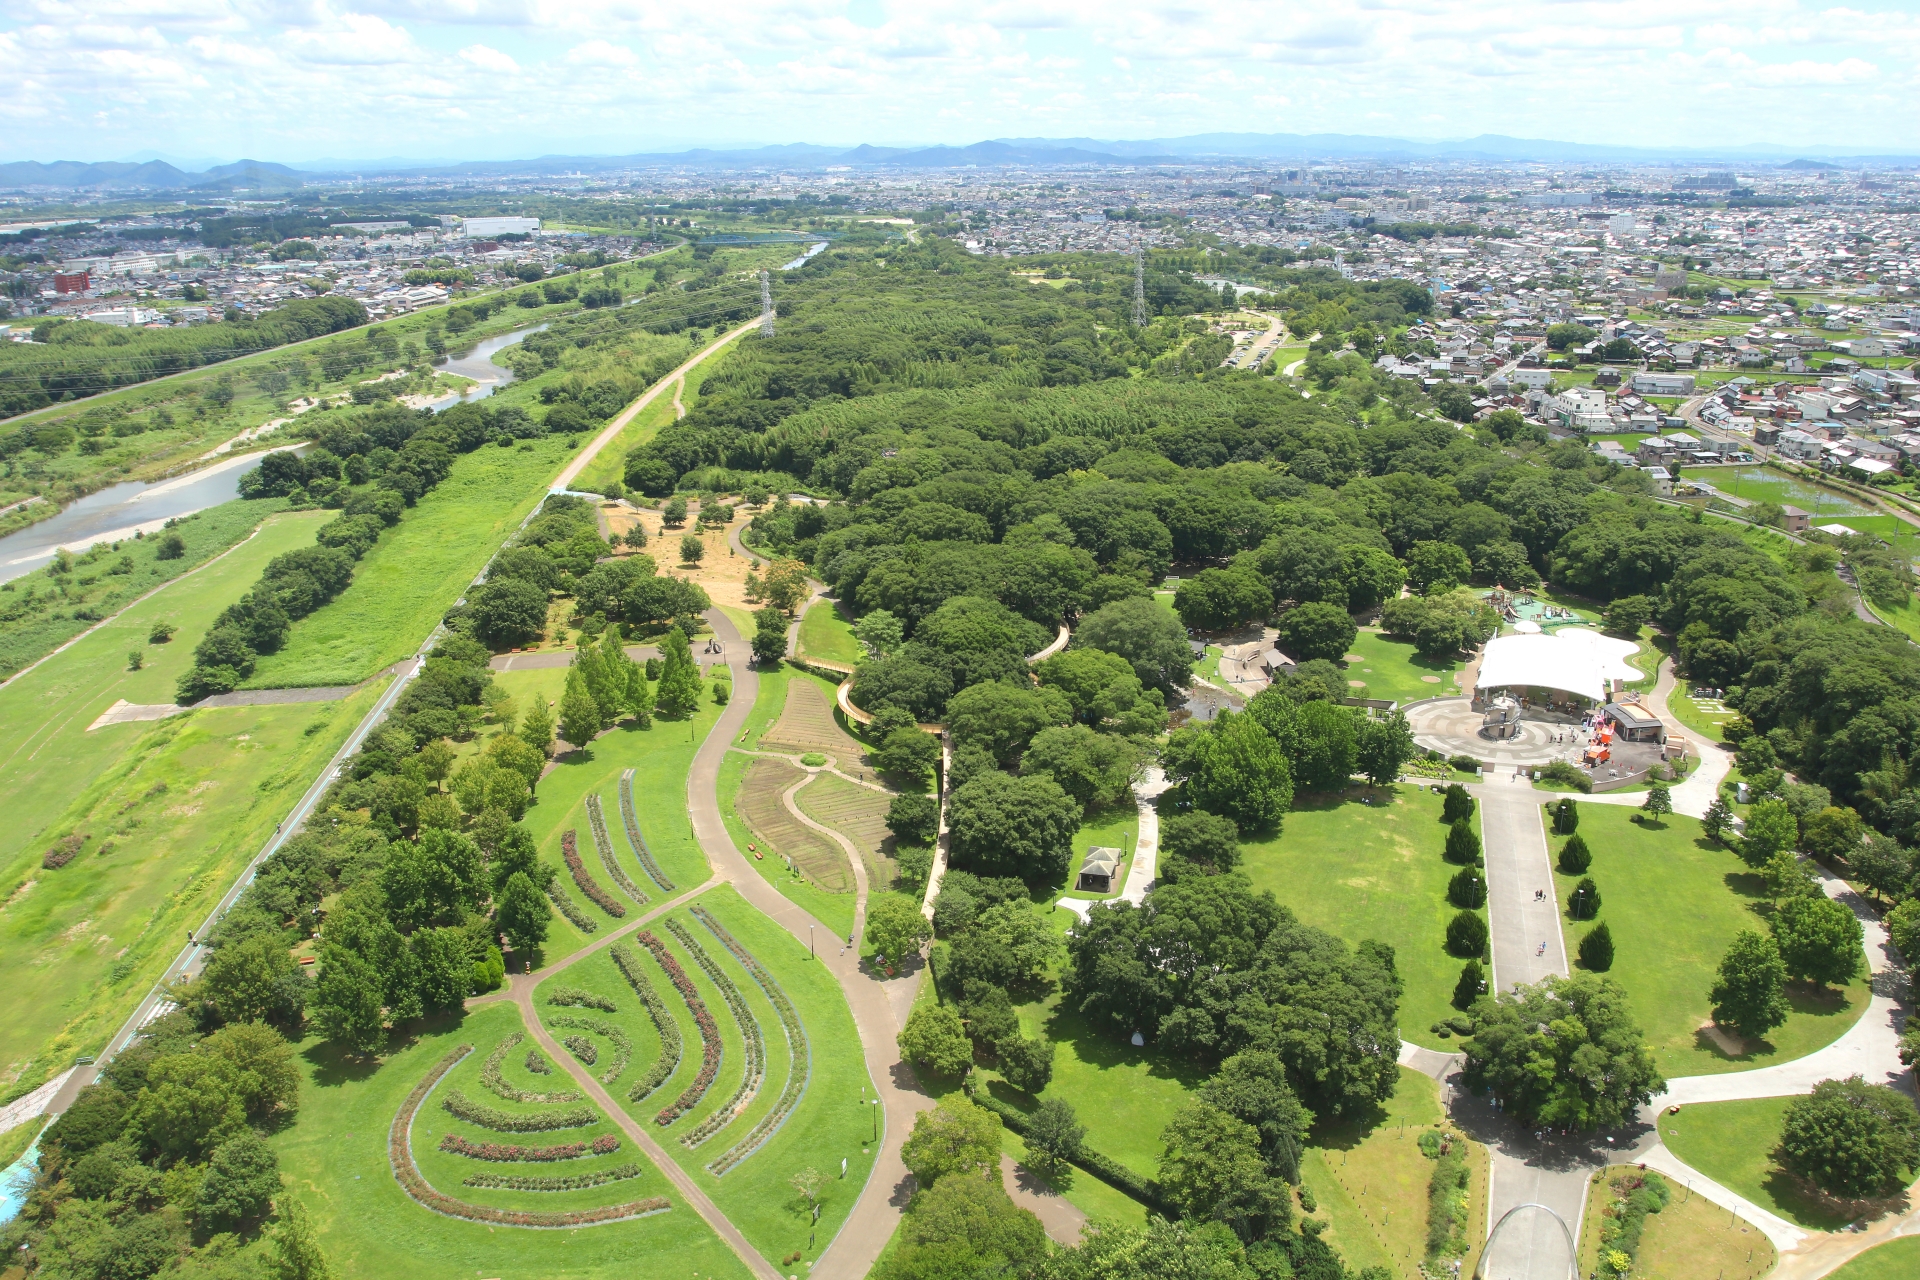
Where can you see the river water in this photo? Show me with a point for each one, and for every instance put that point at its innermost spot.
(119, 511)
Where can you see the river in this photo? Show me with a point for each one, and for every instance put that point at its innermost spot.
(119, 511)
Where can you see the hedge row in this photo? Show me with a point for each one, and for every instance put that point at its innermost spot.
(597, 820)
(569, 849)
(497, 1084)
(800, 1059)
(637, 840)
(622, 1044)
(670, 1048)
(575, 916)
(1111, 1172)
(709, 1033)
(465, 1108)
(400, 1156)
(581, 1048)
(576, 998)
(453, 1144)
(569, 1182)
(750, 1035)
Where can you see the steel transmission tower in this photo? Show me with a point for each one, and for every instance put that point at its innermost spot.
(766, 305)
(1139, 289)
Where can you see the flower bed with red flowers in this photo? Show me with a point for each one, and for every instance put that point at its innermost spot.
(749, 1025)
(669, 1059)
(569, 849)
(800, 1060)
(634, 837)
(453, 1144)
(569, 1182)
(400, 1156)
(575, 916)
(462, 1107)
(709, 1032)
(604, 845)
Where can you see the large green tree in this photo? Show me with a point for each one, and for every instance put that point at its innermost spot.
(1851, 1139)
(1749, 994)
(1002, 825)
(1564, 1052)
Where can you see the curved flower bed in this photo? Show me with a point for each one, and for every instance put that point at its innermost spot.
(669, 1060)
(400, 1157)
(575, 916)
(497, 1084)
(800, 1060)
(479, 1113)
(709, 1033)
(575, 998)
(453, 1144)
(569, 849)
(634, 837)
(537, 1063)
(569, 1182)
(581, 1048)
(622, 1043)
(603, 844)
(756, 1046)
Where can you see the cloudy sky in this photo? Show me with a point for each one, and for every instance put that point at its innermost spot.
(498, 79)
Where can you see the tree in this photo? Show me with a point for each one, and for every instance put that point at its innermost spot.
(956, 1136)
(1853, 1140)
(1574, 856)
(1834, 834)
(1094, 768)
(880, 631)
(1463, 846)
(1435, 568)
(508, 612)
(1233, 767)
(1002, 825)
(1316, 630)
(911, 754)
(1471, 986)
(692, 548)
(1206, 840)
(677, 696)
(1749, 995)
(962, 1227)
(242, 1178)
(935, 1038)
(296, 1247)
(1564, 1052)
(1143, 633)
(1584, 902)
(1596, 948)
(1251, 1086)
(1384, 744)
(1903, 926)
(769, 636)
(1104, 692)
(1883, 866)
(1820, 940)
(192, 1102)
(1566, 817)
(674, 514)
(536, 726)
(1003, 717)
(1467, 889)
(1718, 817)
(1054, 1133)
(1627, 614)
(523, 915)
(1009, 944)
(914, 819)
(580, 721)
(1211, 1168)
(1218, 599)
(1457, 806)
(1659, 801)
(1787, 876)
(347, 1001)
(267, 1079)
(255, 980)
(1770, 828)
(895, 927)
(1026, 1062)
(1467, 934)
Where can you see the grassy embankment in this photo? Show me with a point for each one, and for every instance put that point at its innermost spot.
(1691, 1239)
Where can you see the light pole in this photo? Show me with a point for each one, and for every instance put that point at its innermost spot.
(810, 954)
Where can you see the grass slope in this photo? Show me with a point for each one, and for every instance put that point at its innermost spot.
(825, 632)
(1894, 1260)
(335, 1160)
(1674, 901)
(1372, 871)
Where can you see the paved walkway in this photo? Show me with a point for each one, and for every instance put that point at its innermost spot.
(1695, 793)
(1061, 1220)
(1523, 909)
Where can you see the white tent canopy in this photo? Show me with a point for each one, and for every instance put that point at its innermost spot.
(1572, 660)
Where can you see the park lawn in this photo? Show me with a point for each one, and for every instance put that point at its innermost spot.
(1675, 900)
(1710, 725)
(1733, 1142)
(335, 1161)
(1389, 668)
(1691, 1239)
(1117, 827)
(182, 807)
(833, 1120)
(1894, 1260)
(1374, 870)
(826, 632)
(413, 575)
(1100, 1202)
(1370, 1181)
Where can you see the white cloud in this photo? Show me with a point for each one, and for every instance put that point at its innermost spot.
(488, 58)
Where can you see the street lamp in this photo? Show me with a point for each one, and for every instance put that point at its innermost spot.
(810, 954)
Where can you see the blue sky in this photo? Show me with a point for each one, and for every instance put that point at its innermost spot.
(498, 79)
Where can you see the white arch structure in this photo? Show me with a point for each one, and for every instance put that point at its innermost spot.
(1529, 1249)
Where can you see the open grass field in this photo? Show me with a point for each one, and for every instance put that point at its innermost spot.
(334, 1158)
(1371, 1180)
(826, 632)
(1733, 1142)
(1389, 668)
(1674, 900)
(1372, 871)
(1691, 1239)
(412, 576)
(1894, 1260)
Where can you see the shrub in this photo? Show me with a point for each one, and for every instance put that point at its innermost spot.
(1457, 806)
(1851, 1139)
(1567, 774)
(570, 851)
(1638, 1194)
(570, 1182)
(670, 1045)
(478, 1113)
(454, 1144)
(1468, 889)
(64, 850)
(752, 1040)
(638, 841)
(1467, 934)
(1584, 902)
(1462, 845)
(1566, 816)
(1446, 1195)
(1596, 948)
(498, 1085)
(709, 1031)
(1465, 764)
(1574, 856)
(796, 1034)
(1472, 985)
(575, 997)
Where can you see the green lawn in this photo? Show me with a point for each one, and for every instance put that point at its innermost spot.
(335, 1161)
(1100, 1202)
(1117, 827)
(410, 578)
(1674, 900)
(1905, 619)
(826, 632)
(1894, 1260)
(1732, 1143)
(1389, 668)
(1373, 871)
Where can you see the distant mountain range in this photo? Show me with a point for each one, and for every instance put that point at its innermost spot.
(1262, 148)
